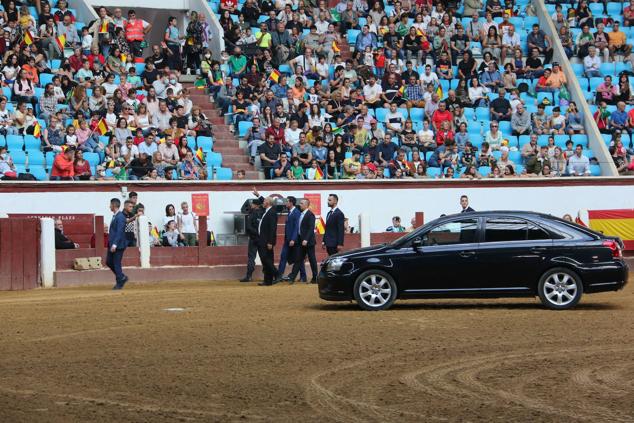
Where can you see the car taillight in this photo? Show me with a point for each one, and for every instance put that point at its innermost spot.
(614, 247)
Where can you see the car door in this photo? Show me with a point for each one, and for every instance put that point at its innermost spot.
(446, 257)
(512, 254)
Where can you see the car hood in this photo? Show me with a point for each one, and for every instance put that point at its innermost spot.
(358, 252)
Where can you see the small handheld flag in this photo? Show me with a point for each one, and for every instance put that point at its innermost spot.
(401, 91)
(155, 232)
(200, 156)
(275, 75)
(439, 91)
(37, 131)
(335, 47)
(111, 164)
(123, 58)
(319, 174)
(61, 41)
(104, 27)
(28, 38)
(101, 127)
(320, 225)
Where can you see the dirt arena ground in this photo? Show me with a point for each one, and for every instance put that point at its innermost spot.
(239, 352)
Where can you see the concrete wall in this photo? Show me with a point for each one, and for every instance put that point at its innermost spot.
(380, 201)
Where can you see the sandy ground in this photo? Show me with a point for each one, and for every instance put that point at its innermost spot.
(239, 352)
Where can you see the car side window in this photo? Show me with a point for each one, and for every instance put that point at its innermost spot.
(456, 232)
(505, 230)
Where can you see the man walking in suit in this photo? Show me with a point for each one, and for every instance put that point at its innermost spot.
(117, 241)
(333, 235)
(267, 234)
(290, 246)
(251, 228)
(464, 203)
(306, 240)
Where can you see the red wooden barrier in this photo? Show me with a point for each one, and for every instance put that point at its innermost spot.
(19, 254)
(77, 227)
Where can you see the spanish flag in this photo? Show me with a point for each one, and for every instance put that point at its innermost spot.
(123, 58)
(37, 131)
(76, 123)
(619, 222)
(111, 164)
(61, 41)
(439, 91)
(401, 90)
(319, 174)
(162, 140)
(200, 156)
(155, 232)
(102, 127)
(275, 75)
(419, 32)
(104, 27)
(28, 38)
(335, 47)
(320, 225)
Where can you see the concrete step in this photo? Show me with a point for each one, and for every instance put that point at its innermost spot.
(234, 158)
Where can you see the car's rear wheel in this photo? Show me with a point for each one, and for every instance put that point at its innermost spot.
(560, 288)
(375, 290)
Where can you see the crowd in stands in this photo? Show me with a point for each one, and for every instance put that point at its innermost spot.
(598, 39)
(83, 101)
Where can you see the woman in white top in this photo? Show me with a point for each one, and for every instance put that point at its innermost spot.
(370, 23)
(425, 135)
(143, 119)
(315, 118)
(111, 116)
(477, 93)
(109, 85)
(170, 214)
(291, 134)
(151, 101)
(11, 69)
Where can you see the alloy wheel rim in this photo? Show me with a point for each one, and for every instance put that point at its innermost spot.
(375, 290)
(560, 289)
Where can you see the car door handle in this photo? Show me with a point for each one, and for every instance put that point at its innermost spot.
(538, 250)
(466, 254)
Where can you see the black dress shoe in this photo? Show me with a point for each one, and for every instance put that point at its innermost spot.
(285, 278)
(245, 279)
(313, 280)
(123, 281)
(264, 284)
(116, 287)
(276, 281)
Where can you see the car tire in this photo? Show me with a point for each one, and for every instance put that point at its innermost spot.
(375, 290)
(560, 288)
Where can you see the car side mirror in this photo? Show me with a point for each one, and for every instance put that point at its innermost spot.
(417, 243)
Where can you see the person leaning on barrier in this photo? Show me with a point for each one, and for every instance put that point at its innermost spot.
(251, 229)
(62, 242)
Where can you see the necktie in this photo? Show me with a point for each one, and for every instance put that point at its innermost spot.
(328, 215)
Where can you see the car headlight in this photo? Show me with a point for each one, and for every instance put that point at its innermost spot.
(334, 265)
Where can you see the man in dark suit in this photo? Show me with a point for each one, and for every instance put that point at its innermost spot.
(62, 242)
(464, 203)
(306, 240)
(117, 241)
(267, 234)
(251, 228)
(333, 235)
(290, 246)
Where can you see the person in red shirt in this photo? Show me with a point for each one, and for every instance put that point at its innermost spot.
(441, 115)
(64, 166)
(76, 61)
(95, 56)
(444, 134)
(277, 131)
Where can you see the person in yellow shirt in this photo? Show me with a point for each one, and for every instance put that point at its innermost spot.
(263, 38)
(352, 165)
(617, 42)
(557, 78)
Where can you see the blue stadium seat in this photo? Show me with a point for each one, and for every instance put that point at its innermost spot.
(56, 64)
(615, 8)
(433, 172)
(523, 140)
(417, 114)
(505, 127)
(595, 170)
(482, 114)
(589, 153)
(39, 173)
(577, 68)
(243, 128)
(596, 9)
(622, 66)
(607, 68)
(140, 68)
(15, 143)
(36, 158)
(206, 143)
(32, 143)
(19, 157)
(50, 158)
(484, 170)
(560, 140)
(6, 91)
(381, 113)
(580, 139)
(223, 173)
(214, 159)
(594, 83)
(515, 157)
(46, 78)
(3, 141)
(93, 158)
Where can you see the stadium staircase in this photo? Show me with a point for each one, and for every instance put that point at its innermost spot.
(225, 143)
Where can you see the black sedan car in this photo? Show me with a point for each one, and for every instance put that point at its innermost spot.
(480, 255)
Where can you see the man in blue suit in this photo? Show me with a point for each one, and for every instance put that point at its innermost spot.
(290, 238)
(117, 241)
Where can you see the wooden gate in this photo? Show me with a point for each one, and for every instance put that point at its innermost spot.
(19, 254)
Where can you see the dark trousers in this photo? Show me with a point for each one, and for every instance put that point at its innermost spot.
(288, 251)
(331, 250)
(268, 266)
(298, 266)
(252, 251)
(113, 261)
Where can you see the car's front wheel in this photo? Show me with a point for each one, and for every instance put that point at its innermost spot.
(375, 290)
(560, 288)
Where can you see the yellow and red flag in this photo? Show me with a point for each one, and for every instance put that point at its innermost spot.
(104, 27)
(619, 222)
(123, 58)
(319, 174)
(154, 232)
(102, 127)
(275, 75)
(61, 41)
(439, 91)
(200, 156)
(335, 47)
(28, 38)
(419, 32)
(320, 225)
(37, 130)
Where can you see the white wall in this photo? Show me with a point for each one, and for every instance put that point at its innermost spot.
(380, 204)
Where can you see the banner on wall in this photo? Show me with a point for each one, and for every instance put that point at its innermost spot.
(200, 204)
(618, 222)
(315, 203)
